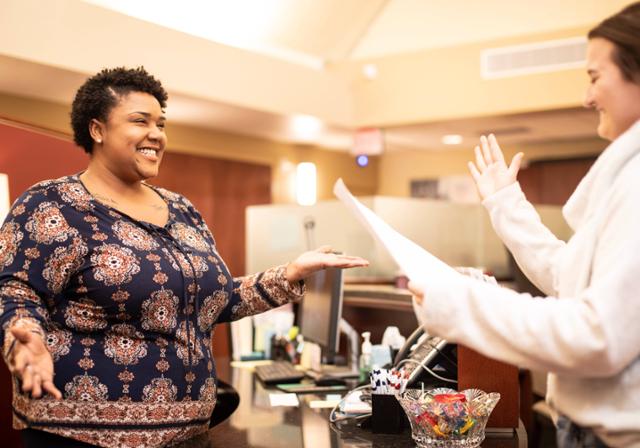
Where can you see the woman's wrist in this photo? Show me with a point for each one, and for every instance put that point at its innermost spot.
(291, 273)
(10, 341)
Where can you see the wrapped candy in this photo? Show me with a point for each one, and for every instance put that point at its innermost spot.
(447, 417)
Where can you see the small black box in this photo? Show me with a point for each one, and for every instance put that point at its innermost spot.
(387, 416)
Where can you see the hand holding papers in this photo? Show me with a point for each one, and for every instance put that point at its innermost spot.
(418, 264)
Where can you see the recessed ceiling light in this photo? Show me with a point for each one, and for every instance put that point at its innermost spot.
(370, 71)
(305, 127)
(452, 139)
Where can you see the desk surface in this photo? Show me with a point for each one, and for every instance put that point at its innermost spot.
(256, 424)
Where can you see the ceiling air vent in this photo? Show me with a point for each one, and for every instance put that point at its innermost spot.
(548, 56)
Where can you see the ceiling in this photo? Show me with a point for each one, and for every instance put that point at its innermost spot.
(314, 33)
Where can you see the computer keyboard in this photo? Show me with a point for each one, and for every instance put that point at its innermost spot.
(279, 372)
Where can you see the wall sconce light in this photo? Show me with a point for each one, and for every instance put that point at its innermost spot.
(306, 183)
(4, 197)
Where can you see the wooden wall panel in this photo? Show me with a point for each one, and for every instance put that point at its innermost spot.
(478, 371)
(29, 157)
(553, 181)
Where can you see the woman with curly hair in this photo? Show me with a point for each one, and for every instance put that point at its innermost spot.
(115, 286)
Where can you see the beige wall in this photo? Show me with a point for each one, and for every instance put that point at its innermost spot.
(281, 157)
(445, 83)
(398, 168)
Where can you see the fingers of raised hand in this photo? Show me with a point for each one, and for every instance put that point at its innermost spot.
(474, 171)
(480, 162)
(514, 167)
(486, 150)
(496, 152)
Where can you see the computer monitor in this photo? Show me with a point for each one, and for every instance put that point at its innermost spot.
(321, 310)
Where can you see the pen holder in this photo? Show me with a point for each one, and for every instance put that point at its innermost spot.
(387, 416)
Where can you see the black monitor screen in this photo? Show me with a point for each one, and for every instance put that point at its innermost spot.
(321, 309)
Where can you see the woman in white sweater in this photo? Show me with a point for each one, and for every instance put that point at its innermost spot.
(587, 331)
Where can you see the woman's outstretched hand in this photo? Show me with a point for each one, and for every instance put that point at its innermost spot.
(417, 291)
(490, 171)
(31, 362)
(315, 260)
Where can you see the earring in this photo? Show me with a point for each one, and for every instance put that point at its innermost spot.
(99, 141)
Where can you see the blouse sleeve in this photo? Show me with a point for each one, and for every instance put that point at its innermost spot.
(261, 292)
(39, 251)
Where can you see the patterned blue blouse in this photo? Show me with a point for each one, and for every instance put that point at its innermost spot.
(126, 308)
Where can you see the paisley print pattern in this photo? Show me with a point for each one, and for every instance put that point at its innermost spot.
(63, 262)
(85, 316)
(59, 343)
(208, 390)
(76, 195)
(10, 237)
(127, 311)
(125, 345)
(114, 265)
(160, 311)
(47, 224)
(211, 308)
(189, 236)
(194, 264)
(86, 388)
(188, 346)
(134, 236)
(161, 390)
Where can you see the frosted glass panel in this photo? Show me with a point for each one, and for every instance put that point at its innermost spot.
(459, 234)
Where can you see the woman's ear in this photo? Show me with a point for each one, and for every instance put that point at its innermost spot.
(96, 130)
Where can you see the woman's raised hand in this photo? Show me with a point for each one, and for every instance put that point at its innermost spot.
(315, 260)
(490, 171)
(31, 362)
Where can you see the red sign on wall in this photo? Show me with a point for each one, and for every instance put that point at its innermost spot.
(369, 141)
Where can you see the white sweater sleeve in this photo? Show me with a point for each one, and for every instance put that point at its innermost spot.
(534, 247)
(593, 335)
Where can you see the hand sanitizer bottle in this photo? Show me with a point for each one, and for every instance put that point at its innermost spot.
(365, 357)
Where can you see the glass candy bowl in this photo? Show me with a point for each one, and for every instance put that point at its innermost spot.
(447, 418)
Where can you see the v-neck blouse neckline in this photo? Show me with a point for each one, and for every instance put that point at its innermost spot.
(95, 200)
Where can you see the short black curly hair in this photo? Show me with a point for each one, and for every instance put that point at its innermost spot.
(100, 93)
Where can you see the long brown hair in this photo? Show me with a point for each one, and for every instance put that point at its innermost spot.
(623, 30)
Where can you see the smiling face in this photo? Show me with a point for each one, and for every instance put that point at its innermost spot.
(132, 140)
(616, 99)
